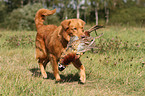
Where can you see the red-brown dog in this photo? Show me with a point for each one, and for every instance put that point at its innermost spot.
(52, 40)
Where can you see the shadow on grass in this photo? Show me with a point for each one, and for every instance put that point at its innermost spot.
(68, 78)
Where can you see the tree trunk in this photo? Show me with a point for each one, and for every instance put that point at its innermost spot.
(138, 2)
(107, 16)
(114, 4)
(96, 14)
(106, 13)
(66, 17)
(22, 3)
(78, 11)
(44, 3)
(85, 14)
(29, 1)
(34, 1)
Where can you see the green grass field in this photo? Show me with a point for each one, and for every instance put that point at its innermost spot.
(117, 67)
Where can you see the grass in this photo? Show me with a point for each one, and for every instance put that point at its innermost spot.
(117, 67)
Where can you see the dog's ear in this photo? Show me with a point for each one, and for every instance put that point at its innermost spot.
(82, 22)
(65, 24)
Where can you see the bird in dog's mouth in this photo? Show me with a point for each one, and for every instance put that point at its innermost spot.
(75, 49)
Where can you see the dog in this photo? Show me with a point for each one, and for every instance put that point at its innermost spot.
(51, 41)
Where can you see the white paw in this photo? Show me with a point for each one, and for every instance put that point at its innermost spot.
(83, 79)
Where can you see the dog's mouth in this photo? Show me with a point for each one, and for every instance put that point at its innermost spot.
(71, 34)
(73, 38)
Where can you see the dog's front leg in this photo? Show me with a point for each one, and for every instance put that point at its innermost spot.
(55, 67)
(77, 63)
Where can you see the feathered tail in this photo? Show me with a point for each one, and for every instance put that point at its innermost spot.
(39, 17)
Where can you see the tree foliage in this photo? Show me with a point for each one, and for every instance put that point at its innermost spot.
(130, 16)
(2, 11)
(19, 14)
(23, 18)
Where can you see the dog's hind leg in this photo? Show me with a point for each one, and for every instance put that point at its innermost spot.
(44, 74)
(54, 64)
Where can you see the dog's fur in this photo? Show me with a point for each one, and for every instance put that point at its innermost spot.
(52, 40)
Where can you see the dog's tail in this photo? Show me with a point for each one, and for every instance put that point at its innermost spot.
(40, 16)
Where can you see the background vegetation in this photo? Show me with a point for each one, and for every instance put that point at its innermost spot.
(19, 14)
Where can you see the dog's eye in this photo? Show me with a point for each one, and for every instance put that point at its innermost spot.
(66, 28)
(75, 28)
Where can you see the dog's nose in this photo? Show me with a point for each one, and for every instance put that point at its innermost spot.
(83, 36)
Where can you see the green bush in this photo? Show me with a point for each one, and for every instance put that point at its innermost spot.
(2, 11)
(23, 18)
(130, 16)
(18, 41)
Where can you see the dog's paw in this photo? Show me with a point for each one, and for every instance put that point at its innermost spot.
(82, 80)
(45, 75)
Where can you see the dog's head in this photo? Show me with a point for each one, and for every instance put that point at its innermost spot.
(73, 27)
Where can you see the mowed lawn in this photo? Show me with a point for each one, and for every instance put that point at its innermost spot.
(117, 67)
